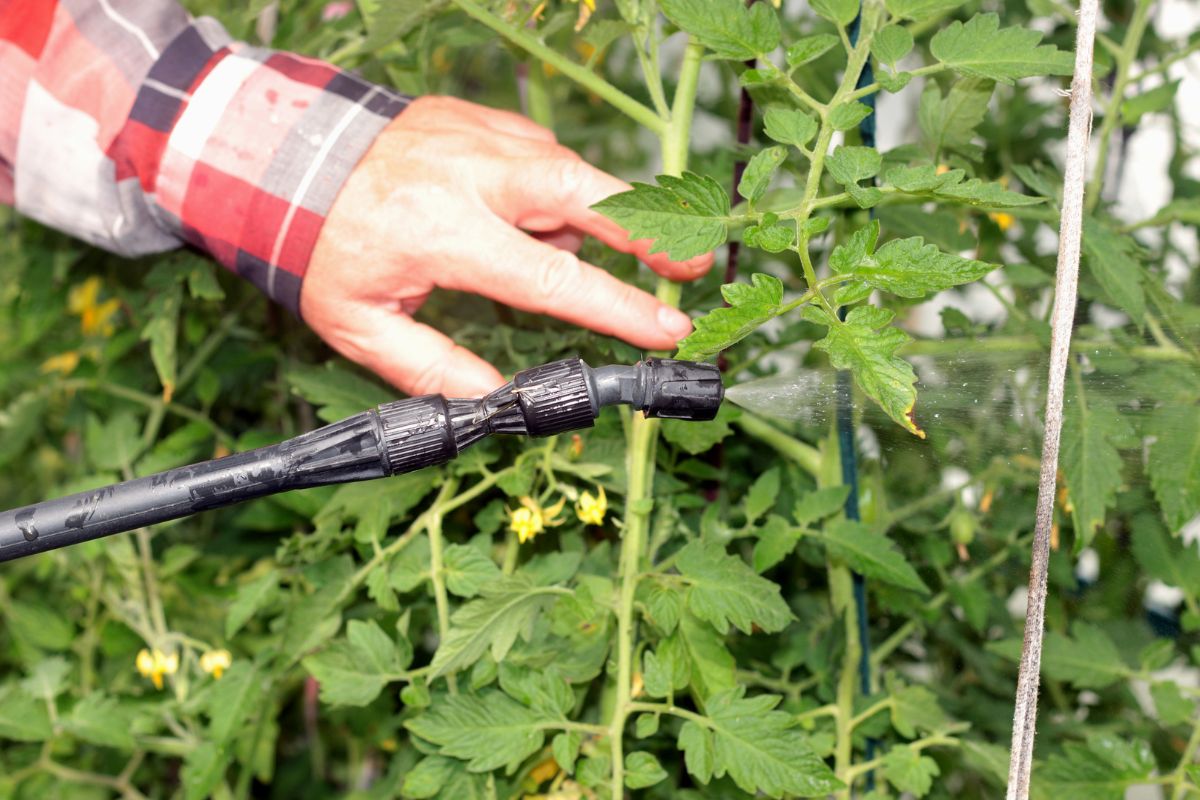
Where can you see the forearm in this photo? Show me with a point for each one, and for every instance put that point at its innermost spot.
(137, 129)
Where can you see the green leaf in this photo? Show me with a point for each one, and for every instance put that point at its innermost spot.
(101, 720)
(1173, 708)
(642, 770)
(232, 700)
(39, 625)
(755, 745)
(1101, 769)
(909, 771)
(115, 444)
(759, 171)
(664, 604)
(697, 437)
(467, 570)
(849, 165)
(1091, 463)
(871, 553)
(250, 598)
(953, 186)
(22, 718)
(761, 497)
(1114, 261)
(1167, 558)
(1174, 461)
(982, 49)
(658, 674)
(915, 709)
(337, 393)
(724, 591)
(565, 748)
(860, 346)
(162, 333)
(685, 216)
(646, 725)
(47, 678)
(427, 778)
(839, 12)
(506, 608)
(847, 115)
(728, 28)
(911, 268)
(1087, 659)
(852, 164)
(770, 235)
(891, 43)
(809, 48)
(750, 306)
(488, 731)
(1159, 98)
(708, 660)
(920, 9)
(776, 540)
(789, 125)
(545, 691)
(309, 622)
(819, 504)
(203, 768)
(949, 122)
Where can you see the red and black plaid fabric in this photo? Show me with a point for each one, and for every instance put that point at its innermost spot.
(136, 128)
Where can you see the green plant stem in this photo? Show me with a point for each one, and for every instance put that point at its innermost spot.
(871, 88)
(527, 41)
(537, 96)
(804, 455)
(643, 440)
(1112, 111)
(842, 592)
(1179, 776)
(148, 400)
(437, 568)
(939, 740)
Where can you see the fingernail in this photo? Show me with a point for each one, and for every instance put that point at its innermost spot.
(674, 322)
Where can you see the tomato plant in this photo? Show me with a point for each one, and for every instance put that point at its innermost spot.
(656, 609)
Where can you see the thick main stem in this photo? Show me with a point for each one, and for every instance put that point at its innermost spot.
(1066, 284)
(643, 440)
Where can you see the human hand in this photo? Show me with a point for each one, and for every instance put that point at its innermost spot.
(443, 199)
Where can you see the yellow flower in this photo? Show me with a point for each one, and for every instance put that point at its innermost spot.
(154, 664)
(531, 519)
(591, 510)
(63, 363)
(215, 662)
(942, 169)
(544, 771)
(95, 318)
(1002, 219)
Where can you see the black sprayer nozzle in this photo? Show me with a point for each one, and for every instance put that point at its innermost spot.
(396, 437)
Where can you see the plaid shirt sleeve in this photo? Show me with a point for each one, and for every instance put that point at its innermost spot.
(136, 128)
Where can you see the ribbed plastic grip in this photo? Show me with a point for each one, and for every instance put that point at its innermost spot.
(556, 397)
(416, 433)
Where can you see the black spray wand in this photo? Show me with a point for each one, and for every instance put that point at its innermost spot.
(393, 438)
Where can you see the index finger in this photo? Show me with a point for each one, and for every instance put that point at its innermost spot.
(563, 189)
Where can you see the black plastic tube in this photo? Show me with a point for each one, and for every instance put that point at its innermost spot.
(345, 451)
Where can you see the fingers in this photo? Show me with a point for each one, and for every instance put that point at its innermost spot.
(514, 124)
(556, 188)
(523, 272)
(412, 357)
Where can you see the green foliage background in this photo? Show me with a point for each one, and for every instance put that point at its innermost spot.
(393, 639)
